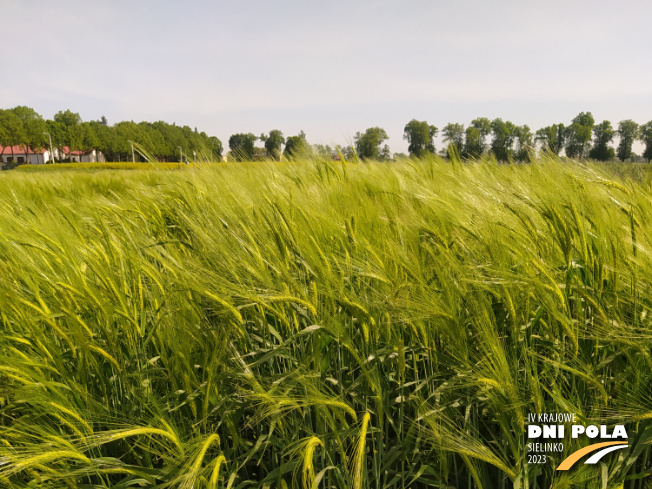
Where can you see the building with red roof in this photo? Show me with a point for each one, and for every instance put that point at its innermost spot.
(24, 155)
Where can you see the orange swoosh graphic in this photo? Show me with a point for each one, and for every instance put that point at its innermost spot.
(575, 456)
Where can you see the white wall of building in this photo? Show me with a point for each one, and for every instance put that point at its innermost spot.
(23, 158)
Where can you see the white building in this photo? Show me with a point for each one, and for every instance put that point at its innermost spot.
(92, 156)
(22, 155)
(26, 156)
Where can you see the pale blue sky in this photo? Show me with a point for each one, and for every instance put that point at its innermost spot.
(330, 68)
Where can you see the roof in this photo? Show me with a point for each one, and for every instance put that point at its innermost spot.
(66, 150)
(18, 150)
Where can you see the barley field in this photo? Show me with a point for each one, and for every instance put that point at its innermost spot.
(322, 325)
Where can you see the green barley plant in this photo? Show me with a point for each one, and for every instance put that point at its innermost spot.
(318, 324)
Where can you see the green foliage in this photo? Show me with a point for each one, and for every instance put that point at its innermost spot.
(475, 138)
(419, 134)
(578, 135)
(297, 147)
(32, 128)
(603, 136)
(473, 146)
(627, 133)
(524, 143)
(504, 134)
(368, 144)
(645, 135)
(552, 138)
(242, 146)
(454, 135)
(68, 130)
(273, 143)
(23, 126)
(11, 128)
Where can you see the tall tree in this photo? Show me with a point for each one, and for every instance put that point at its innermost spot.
(104, 135)
(483, 125)
(524, 145)
(473, 147)
(454, 136)
(551, 138)
(273, 143)
(578, 135)
(296, 146)
(368, 144)
(475, 141)
(215, 147)
(89, 136)
(242, 146)
(503, 139)
(11, 130)
(603, 135)
(33, 127)
(627, 133)
(419, 134)
(645, 135)
(69, 130)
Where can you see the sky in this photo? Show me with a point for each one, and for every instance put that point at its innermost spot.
(329, 68)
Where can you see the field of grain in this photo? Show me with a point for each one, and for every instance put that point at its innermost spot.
(57, 167)
(321, 325)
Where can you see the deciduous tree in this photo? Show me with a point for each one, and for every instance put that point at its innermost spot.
(215, 147)
(296, 146)
(273, 143)
(475, 142)
(32, 130)
(603, 135)
(242, 146)
(368, 144)
(551, 138)
(420, 136)
(523, 137)
(454, 136)
(69, 131)
(503, 139)
(578, 135)
(627, 133)
(11, 130)
(645, 135)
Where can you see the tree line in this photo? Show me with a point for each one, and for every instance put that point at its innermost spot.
(242, 146)
(582, 138)
(23, 126)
